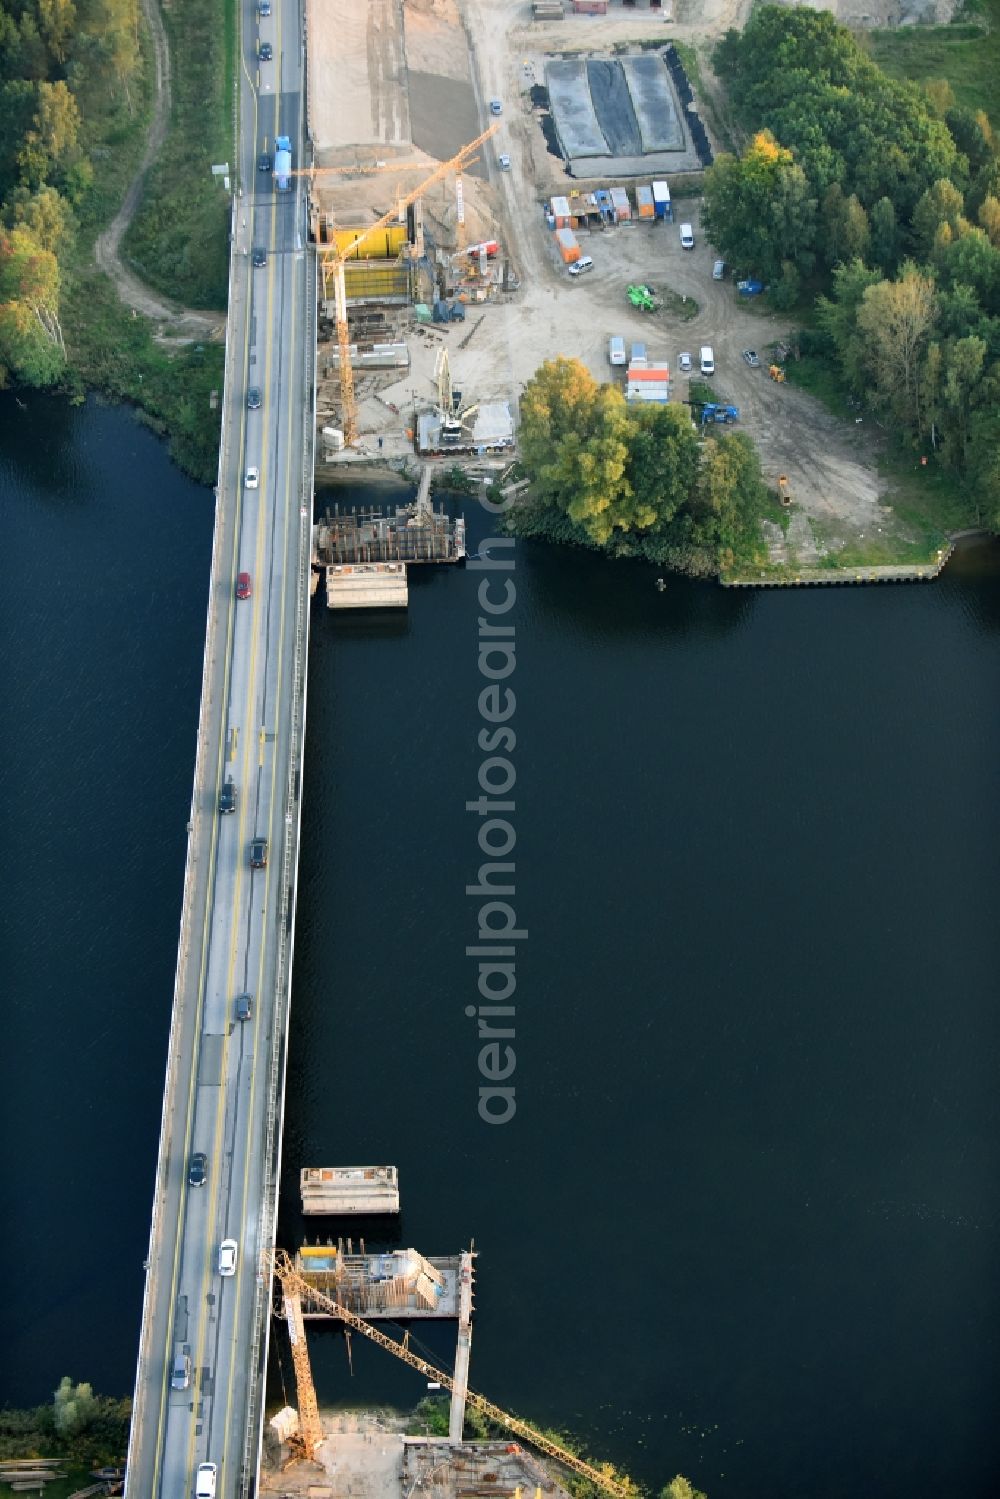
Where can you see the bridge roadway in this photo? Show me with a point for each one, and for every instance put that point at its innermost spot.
(225, 1078)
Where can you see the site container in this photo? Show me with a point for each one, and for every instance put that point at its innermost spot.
(561, 214)
(644, 202)
(568, 247)
(661, 200)
(621, 205)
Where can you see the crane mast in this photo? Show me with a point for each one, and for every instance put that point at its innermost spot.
(333, 258)
(294, 1285)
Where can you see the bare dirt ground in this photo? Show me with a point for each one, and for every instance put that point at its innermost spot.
(831, 464)
(182, 321)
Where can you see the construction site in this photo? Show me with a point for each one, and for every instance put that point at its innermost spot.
(468, 163)
(368, 1455)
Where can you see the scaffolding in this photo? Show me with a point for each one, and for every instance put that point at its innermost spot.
(408, 533)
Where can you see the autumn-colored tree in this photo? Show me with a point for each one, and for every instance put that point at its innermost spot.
(989, 219)
(46, 215)
(759, 210)
(31, 342)
(56, 20)
(895, 318)
(942, 203)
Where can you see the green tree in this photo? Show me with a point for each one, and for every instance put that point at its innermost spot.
(663, 464)
(838, 317)
(942, 203)
(844, 230)
(759, 209)
(972, 135)
(884, 235)
(51, 145)
(74, 1407)
(728, 500)
(681, 1488)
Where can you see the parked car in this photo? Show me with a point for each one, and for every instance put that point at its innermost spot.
(687, 237)
(684, 364)
(750, 355)
(244, 1006)
(198, 1169)
(243, 586)
(579, 267)
(719, 270)
(707, 361)
(505, 163)
(228, 1251)
(204, 1481)
(252, 478)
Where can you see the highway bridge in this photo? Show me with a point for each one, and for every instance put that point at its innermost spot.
(225, 1076)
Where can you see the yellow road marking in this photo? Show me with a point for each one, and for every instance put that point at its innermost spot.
(288, 507)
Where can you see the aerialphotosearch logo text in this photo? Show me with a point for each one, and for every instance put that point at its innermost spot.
(497, 930)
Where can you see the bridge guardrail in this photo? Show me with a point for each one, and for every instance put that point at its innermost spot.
(260, 1323)
(195, 833)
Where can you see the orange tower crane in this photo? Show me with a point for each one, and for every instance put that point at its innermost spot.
(295, 1288)
(332, 261)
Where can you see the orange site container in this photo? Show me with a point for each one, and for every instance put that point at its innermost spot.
(644, 200)
(568, 247)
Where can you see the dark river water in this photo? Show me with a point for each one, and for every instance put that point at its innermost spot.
(745, 1221)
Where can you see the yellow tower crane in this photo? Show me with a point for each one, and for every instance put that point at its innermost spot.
(295, 1287)
(333, 259)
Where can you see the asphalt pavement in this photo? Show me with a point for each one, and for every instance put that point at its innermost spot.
(221, 1069)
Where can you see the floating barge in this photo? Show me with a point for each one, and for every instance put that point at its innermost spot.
(367, 585)
(346, 1191)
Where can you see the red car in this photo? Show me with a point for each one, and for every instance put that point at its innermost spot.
(243, 586)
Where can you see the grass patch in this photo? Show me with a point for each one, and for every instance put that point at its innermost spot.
(178, 241)
(679, 307)
(967, 54)
(116, 353)
(931, 501)
(813, 375)
(110, 350)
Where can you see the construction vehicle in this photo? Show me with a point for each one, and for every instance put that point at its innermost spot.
(282, 163)
(776, 373)
(643, 298)
(332, 259)
(716, 411)
(295, 1288)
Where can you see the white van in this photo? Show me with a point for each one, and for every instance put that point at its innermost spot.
(616, 350)
(687, 237)
(707, 362)
(579, 266)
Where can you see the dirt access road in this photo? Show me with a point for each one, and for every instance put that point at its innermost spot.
(831, 465)
(184, 322)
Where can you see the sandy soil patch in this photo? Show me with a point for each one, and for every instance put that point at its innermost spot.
(830, 464)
